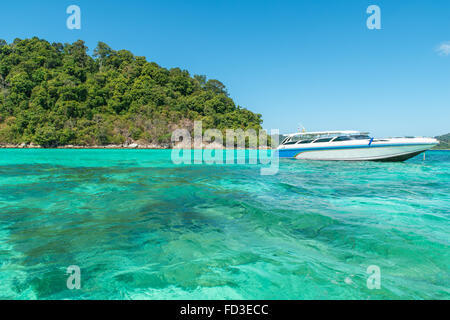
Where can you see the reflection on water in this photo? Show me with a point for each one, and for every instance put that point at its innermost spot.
(141, 227)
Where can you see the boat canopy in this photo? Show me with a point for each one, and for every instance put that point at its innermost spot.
(328, 133)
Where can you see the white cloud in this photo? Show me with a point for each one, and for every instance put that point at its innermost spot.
(444, 48)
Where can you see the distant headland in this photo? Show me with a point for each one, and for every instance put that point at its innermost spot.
(444, 142)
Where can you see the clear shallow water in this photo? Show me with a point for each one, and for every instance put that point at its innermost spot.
(140, 227)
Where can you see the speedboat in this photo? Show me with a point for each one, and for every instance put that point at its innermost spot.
(351, 146)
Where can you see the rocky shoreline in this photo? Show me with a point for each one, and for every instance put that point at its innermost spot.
(124, 146)
(130, 146)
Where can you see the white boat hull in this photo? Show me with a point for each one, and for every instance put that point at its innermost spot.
(398, 149)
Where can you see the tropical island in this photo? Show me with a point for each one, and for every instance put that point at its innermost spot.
(57, 95)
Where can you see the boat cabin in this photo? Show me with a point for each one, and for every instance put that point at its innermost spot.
(324, 137)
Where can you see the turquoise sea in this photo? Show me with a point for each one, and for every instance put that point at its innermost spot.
(141, 227)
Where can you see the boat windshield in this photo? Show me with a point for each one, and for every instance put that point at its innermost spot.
(304, 138)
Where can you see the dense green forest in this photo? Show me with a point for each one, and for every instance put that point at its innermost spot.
(444, 141)
(54, 94)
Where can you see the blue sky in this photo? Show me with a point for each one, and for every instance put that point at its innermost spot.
(312, 62)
